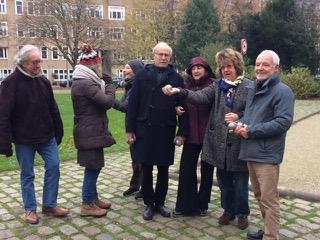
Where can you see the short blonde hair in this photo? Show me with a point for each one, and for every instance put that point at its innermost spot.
(162, 45)
(235, 57)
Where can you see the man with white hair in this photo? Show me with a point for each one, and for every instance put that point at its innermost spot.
(151, 126)
(30, 118)
(267, 117)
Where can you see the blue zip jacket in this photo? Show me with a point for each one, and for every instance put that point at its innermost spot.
(269, 114)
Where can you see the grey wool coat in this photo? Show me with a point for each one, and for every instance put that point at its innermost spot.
(220, 147)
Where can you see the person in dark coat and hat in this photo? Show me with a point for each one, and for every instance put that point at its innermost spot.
(190, 201)
(91, 98)
(129, 71)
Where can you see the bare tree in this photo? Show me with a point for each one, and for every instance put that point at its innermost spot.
(148, 23)
(64, 24)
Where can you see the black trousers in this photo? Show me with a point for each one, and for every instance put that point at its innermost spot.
(189, 200)
(136, 179)
(150, 196)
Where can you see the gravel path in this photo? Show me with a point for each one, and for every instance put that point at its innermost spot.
(300, 169)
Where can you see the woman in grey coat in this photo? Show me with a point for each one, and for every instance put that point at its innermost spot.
(220, 146)
(91, 98)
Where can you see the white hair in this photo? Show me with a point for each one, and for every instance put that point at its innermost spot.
(162, 45)
(274, 55)
(23, 53)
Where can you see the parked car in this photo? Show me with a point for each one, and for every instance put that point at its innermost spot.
(317, 76)
(116, 80)
(63, 83)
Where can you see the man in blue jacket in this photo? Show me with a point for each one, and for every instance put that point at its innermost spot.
(268, 116)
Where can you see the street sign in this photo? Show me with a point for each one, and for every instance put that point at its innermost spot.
(244, 46)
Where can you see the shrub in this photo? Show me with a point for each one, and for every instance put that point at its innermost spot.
(302, 83)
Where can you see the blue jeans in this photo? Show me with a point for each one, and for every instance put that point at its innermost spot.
(89, 187)
(49, 153)
(234, 192)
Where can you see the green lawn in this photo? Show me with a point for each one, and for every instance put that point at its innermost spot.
(67, 149)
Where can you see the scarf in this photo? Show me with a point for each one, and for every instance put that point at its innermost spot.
(27, 74)
(228, 88)
(83, 72)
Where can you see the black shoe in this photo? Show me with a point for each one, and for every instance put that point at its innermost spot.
(164, 211)
(203, 213)
(148, 213)
(177, 213)
(255, 236)
(130, 191)
(138, 195)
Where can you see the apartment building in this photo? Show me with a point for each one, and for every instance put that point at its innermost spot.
(55, 66)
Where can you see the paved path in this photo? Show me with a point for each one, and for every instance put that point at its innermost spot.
(300, 219)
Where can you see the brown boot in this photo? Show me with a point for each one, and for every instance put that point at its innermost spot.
(55, 211)
(31, 217)
(90, 209)
(102, 204)
(225, 218)
(242, 222)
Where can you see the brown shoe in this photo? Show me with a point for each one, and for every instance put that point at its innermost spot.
(225, 218)
(31, 217)
(55, 211)
(90, 209)
(242, 222)
(102, 204)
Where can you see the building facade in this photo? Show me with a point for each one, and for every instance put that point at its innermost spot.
(55, 66)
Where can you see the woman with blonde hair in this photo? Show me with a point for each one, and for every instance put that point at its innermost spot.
(220, 146)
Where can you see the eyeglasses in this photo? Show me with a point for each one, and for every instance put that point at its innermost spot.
(166, 55)
(35, 62)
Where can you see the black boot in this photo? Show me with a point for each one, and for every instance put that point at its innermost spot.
(164, 211)
(148, 213)
(255, 236)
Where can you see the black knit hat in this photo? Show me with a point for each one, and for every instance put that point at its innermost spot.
(136, 65)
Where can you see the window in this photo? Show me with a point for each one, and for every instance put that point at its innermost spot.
(3, 29)
(20, 30)
(65, 52)
(44, 52)
(116, 13)
(95, 11)
(3, 6)
(116, 34)
(32, 32)
(55, 53)
(19, 7)
(95, 32)
(45, 72)
(31, 7)
(62, 74)
(4, 73)
(117, 55)
(3, 52)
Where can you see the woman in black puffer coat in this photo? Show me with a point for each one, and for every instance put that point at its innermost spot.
(130, 69)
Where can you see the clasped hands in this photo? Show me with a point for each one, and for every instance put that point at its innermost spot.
(169, 90)
(240, 128)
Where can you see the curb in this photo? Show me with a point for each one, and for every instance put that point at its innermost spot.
(283, 192)
(305, 117)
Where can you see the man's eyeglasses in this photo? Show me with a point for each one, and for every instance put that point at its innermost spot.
(35, 62)
(163, 55)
